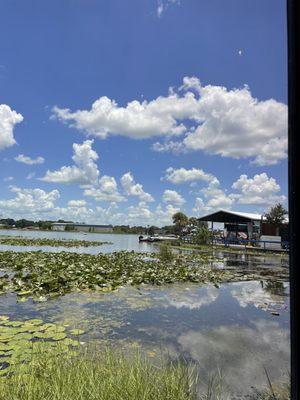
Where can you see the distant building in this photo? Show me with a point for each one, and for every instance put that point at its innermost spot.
(63, 226)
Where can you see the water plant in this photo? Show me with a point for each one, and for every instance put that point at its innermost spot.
(44, 275)
(165, 252)
(101, 375)
(19, 340)
(26, 241)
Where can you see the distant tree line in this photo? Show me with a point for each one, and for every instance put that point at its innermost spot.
(25, 223)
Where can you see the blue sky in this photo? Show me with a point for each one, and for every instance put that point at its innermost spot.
(168, 79)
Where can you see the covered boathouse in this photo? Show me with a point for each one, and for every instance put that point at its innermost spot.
(236, 224)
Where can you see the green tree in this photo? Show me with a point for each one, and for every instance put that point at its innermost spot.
(44, 225)
(276, 215)
(9, 222)
(69, 227)
(152, 229)
(203, 235)
(193, 221)
(168, 229)
(23, 223)
(180, 221)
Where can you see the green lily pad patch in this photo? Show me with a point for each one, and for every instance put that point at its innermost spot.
(19, 340)
(77, 331)
(59, 336)
(25, 241)
(34, 322)
(46, 275)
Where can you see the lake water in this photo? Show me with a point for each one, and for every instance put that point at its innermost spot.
(119, 241)
(238, 329)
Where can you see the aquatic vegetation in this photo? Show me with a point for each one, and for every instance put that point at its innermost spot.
(103, 375)
(26, 241)
(19, 340)
(275, 391)
(77, 331)
(45, 275)
(165, 253)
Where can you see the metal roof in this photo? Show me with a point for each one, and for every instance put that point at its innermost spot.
(231, 216)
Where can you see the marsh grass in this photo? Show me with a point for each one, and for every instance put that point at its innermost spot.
(105, 375)
(165, 252)
(278, 391)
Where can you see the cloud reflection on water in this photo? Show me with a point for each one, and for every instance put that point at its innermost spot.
(241, 352)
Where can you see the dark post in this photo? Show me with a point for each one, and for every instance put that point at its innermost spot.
(293, 11)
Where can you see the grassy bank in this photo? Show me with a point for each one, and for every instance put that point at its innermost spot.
(24, 241)
(111, 374)
(105, 375)
(42, 274)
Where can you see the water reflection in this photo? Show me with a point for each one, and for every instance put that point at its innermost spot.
(240, 352)
(229, 328)
(269, 296)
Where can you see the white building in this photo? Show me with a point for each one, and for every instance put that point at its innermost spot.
(63, 226)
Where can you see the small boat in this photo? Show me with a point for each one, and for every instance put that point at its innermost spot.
(156, 238)
(143, 238)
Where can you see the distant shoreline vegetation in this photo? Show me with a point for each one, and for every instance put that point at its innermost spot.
(10, 223)
(24, 241)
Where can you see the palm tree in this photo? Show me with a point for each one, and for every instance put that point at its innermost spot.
(180, 221)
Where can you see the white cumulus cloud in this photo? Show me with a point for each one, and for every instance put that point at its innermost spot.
(84, 171)
(260, 190)
(29, 161)
(29, 202)
(76, 203)
(173, 197)
(105, 190)
(183, 175)
(214, 119)
(234, 124)
(8, 119)
(134, 189)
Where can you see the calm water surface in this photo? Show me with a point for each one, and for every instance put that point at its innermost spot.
(119, 241)
(231, 329)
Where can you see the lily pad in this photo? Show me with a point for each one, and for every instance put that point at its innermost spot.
(43, 335)
(12, 323)
(71, 342)
(77, 331)
(5, 346)
(35, 321)
(59, 336)
(56, 328)
(5, 337)
(23, 336)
